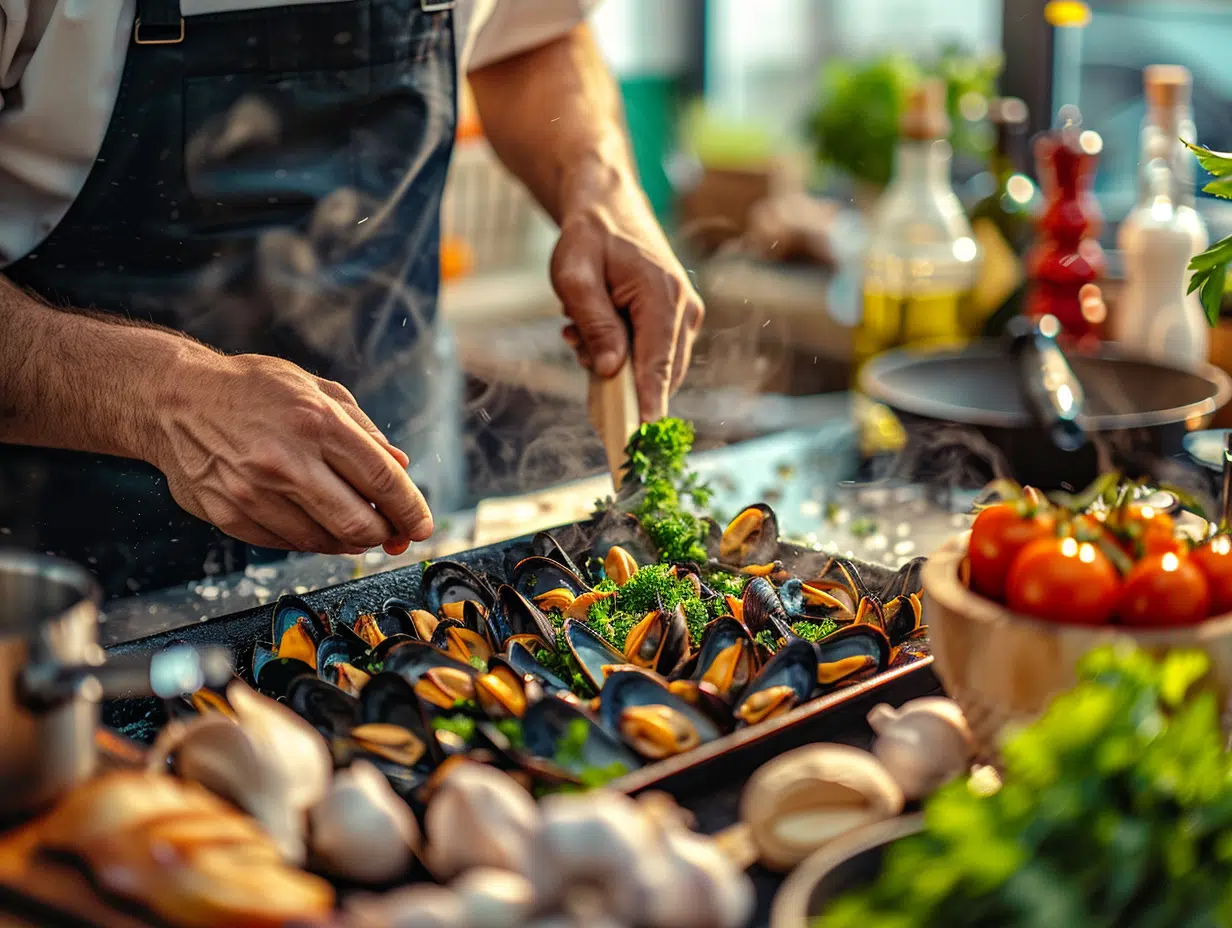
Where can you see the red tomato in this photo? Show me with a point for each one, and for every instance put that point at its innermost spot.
(1140, 530)
(1214, 559)
(1164, 589)
(1065, 580)
(997, 535)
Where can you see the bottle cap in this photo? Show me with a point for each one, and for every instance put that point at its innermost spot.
(1167, 86)
(924, 117)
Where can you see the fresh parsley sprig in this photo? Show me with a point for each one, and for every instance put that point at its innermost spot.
(1211, 266)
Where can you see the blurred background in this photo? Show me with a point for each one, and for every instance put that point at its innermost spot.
(765, 134)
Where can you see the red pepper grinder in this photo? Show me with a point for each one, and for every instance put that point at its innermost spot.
(1067, 256)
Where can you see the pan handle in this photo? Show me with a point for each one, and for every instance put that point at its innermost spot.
(1052, 392)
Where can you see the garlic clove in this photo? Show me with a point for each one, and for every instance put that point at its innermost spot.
(420, 905)
(808, 796)
(494, 898)
(479, 817)
(703, 888)
(362, 830)
(924, 744)
(883, 715)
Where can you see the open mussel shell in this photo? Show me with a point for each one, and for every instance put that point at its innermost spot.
(340, 661)
(727, 658)
(289, 611)
(705, 699)
(514, 617)
(550, 729)
(411, 659)
(852, 650)
(752, 537)
(546, 582)
(652, 720)
(902, 617)
(272, 675)
(840, 578)
(522, 661)
(787, 680)
(592, 652)
(462, 643)
(660, 641)
(325, 707)
(446, 582)
(390, 700)
(544, 544)
(375, 662)
(904, 581)
(806, 602)
(762, 608)
(504, 693)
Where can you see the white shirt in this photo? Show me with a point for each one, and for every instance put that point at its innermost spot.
(60, 68)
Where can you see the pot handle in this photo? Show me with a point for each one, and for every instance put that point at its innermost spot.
(1052, 392)
(44, 686)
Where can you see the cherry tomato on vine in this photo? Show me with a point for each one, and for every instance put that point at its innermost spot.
(1214, 559)
(1164, 589)
(1065, 580)
(997, 535)
(1141, 530)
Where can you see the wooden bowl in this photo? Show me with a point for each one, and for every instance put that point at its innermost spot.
(846, 863)
(1003, 668)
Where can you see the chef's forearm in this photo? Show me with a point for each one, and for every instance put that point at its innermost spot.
(73, 380)
(555, 118)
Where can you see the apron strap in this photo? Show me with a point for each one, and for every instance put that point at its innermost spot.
(159, 22)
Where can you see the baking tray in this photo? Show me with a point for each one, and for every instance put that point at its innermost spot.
(732, 756)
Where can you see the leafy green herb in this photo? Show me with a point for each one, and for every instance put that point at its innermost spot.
(652, 587)
(594, 777)
(562, 663)
(1115, 810)
(813, 631)
(465, 705)
(726, 584)
(511, 729)
(863, 527)
(461, 725)
(656, 454)
(767, 640)
(478, 663)
(572, 743)
(1210, 268)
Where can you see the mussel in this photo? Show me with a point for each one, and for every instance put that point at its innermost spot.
(273, 674)
(624, 530)
(751, 538)
(592, 652)
(652, 720)
(727, 659)
(503, 693)
(544, 544)
(761, 608)
(557, 731)
(296, 630)
(522, 661)
(338, 662)
(325, 707)
(849, 651)
(803, 601)
(461, 643)
(659, 641)
(412, 659)
(536, 577)
(786, 680)
(516, 618)
(448, 582)
(619, 565)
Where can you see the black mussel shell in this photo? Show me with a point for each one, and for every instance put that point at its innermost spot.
(904, 581)
(397, 603)
(762, 608)
(342, 661)
(803, 601)
(727, 659)
(451, 582)
(787, 680)
(548, 729)
(705, 699)
(412, 659)
(288, 611)
(272, 675)
(625, 530)
(632, 687)
(714, 536)
(840, 578)
(376, 657)
(389, 699)
(852, 650)
(325, 707)
(533, 576)
(521, 660)
(660, 641)
(544, 544)
(459, 641)
(901, 618)
(515, 615)
(752, 537)
(592, 652)
(520, 686)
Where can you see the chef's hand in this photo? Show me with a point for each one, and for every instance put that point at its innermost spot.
(612, 255)
(279, 458)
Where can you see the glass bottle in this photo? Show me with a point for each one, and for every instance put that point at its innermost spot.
(922, 260)
(1002, 221)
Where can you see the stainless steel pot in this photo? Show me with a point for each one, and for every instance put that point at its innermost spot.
(53, 674)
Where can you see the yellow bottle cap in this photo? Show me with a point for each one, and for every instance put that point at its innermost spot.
(1067, 13)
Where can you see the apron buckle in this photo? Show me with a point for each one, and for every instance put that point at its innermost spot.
(436, 6)
(153, 38)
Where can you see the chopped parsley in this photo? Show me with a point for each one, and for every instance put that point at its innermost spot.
(767, 640)
(478, 663)
(461, 725)
(813, 631)
(511, 729)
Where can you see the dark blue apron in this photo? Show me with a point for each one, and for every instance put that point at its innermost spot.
(270, 182)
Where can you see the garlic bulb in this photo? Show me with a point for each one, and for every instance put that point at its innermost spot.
(362, 830)
(598, 840)
(494, 898)
(703, 889)
(806, 797)
(420, 905)
(924, 744)
(479, 817)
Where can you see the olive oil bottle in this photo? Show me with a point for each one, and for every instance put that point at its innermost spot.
(922, 260)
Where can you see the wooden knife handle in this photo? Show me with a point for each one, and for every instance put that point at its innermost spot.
(614, 412)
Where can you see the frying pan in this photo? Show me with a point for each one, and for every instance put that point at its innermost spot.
(1134, 413)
